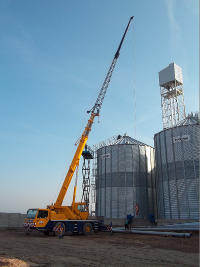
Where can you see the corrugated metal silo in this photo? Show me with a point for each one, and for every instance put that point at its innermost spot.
(177, 152)
(124, 178)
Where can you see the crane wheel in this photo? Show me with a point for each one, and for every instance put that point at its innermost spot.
(59, 229)
(87, 228)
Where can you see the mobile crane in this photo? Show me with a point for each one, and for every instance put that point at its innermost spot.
(74, 218)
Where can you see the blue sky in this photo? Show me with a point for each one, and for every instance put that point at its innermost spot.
(54, 58)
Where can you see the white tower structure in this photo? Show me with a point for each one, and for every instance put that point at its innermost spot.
(172, 97)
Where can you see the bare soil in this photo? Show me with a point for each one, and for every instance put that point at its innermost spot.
(101, 249)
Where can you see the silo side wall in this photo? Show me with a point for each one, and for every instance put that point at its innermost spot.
(177, 172)
(124, 179)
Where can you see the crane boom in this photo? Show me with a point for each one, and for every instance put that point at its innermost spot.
(97, 106)
(75, 161)
(94, 112)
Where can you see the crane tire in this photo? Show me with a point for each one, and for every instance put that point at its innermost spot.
(59, 229)
(87, 229)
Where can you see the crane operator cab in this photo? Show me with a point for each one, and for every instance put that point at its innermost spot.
(36, 218)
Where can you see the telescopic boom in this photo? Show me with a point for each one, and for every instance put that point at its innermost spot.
(94, 112)
(97, 106)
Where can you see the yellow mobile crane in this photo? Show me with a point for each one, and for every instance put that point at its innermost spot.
(74, 218)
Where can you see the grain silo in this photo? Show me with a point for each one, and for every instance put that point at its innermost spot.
(124, 178)
(177, 152)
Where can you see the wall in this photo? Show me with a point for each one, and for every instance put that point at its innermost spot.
(11, 220)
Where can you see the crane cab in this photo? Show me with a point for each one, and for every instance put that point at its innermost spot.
(36, 218)
(82, 210)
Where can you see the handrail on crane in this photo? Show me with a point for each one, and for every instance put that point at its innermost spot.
(94, 112)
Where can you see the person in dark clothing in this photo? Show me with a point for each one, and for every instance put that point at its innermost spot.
(152, 219)
(130, 220)
(126, 225)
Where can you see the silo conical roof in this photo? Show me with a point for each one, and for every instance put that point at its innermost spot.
(121, 140)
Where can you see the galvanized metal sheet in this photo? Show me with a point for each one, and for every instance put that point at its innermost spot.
(124, 179)
(177, 172)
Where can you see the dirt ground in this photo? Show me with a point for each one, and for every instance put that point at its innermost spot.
(101, 249)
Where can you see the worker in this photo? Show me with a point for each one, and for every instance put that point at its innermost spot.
(59, 230)
(152, 219)
(126, 224)
(110, 227)
(130, 220)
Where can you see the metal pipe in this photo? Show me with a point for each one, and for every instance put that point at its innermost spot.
(154, 233)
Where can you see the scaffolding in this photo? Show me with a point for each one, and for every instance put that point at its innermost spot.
(87, 154)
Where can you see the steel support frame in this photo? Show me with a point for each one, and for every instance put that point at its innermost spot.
(172, 104)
